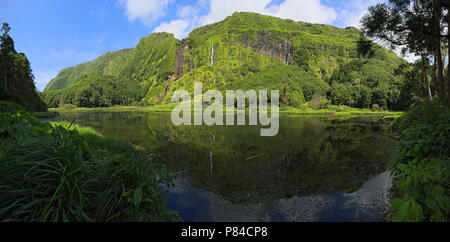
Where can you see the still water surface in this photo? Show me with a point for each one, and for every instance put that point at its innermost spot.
(315, 169)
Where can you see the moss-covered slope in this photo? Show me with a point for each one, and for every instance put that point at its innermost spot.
(248, 51)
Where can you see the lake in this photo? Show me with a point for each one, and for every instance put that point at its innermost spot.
(315, 169)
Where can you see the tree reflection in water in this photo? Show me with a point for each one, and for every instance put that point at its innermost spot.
(297, 175)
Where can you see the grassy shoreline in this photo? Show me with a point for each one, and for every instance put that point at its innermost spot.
(62, 172)
(330, 111)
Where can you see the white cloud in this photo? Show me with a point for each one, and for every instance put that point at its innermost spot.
(189, 16)
(342, 14)
(179, 28)
(312, 11)
(188, 11)
(352, 18)
(350, 12)
(219, 9)
(409, 57)
(148, 11)
(299, 10)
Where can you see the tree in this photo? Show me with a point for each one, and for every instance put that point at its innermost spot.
(16, 76)
(7, 50)
(416, 85)
(365, 47)
(418, 26)
(379, 96)
(7, 43)
(363, 96)
(341, 94)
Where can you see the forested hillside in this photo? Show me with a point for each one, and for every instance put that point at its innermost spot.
(16, 77)
(245, 51)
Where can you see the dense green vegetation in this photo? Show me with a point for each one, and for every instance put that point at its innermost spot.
(16, 77)
(6, 106)
(55, 172)
(59, 172)
(422, 165)
(126, 75)
(330, 110)
(421, 169)
(91, 91)
(244, 51)
(417, 27)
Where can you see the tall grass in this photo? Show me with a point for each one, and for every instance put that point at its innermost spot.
(58, 172)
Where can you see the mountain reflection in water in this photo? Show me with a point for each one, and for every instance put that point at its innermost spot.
(315, 169)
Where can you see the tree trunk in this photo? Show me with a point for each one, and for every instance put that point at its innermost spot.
(429, 92)
(446, 4)
(438, 57)
(440, 72)
(4, 72)
(434, 80)
(448, 61)
(425, 78)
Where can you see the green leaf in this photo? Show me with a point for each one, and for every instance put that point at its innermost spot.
(406, 209)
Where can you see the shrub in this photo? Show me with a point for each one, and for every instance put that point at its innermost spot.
(6, 106)
(375, 107)
(318, 102)
(422, 165)
(68, 106)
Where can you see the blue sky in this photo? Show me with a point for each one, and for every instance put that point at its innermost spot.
(57, 34)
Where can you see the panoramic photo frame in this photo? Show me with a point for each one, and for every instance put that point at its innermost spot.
(214, 119)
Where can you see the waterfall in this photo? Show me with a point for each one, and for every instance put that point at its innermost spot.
(211, 161)
(212, 55)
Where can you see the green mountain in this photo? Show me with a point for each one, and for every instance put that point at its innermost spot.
(245, 51)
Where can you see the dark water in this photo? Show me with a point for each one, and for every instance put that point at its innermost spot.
(315, 169)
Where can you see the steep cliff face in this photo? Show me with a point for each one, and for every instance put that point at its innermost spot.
(244, 50)
(153, 58)
(182, 63)
(274, 44)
